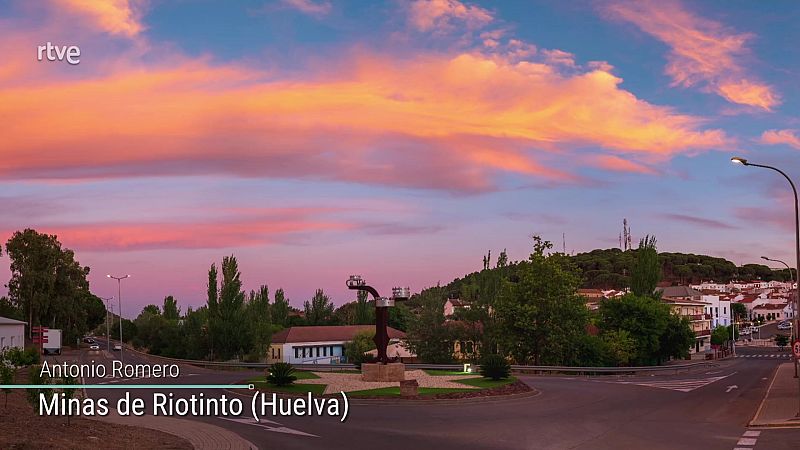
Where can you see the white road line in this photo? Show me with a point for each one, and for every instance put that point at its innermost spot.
(280, 429)
(752, 433)
(747, 441)
(677, 385)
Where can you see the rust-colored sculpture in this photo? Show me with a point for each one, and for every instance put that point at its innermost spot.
(382, 305)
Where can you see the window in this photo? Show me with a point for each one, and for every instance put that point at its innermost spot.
(324, 351)
(279, 353)
(296, 353)
(317, 352)
(331, 350)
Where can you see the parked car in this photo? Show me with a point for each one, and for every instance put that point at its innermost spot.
(117, 347)
(785, 326)
(94, 347)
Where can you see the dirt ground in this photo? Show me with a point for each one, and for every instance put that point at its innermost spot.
(21, 428)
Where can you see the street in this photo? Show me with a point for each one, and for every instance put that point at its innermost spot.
(704, 409)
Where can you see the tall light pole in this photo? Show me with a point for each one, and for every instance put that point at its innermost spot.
(790, 275)
(119, 297)
(744, 162)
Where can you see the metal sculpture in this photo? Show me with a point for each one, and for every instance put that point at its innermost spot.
(382, 305)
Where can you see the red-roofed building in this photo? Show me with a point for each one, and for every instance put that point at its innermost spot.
(318, 344)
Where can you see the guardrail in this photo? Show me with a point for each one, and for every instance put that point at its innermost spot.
(676, 368)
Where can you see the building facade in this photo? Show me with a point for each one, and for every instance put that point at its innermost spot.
(318, 344)
(12, 334)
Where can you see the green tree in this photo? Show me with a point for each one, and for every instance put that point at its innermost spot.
(171, 309)
(364, 312)
(620, 347)
(319, 310)
(540, 317)
(227, 334)
(646, 272)
(739, 311)
(642, 318)
(151, 309)
(677, 338)
(259, 323)
(361, 344)
(428, 336)
(280, 309)
(49, 286)
(720, 335)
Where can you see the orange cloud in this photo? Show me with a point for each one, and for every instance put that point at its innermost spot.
(117, 17)
(781, 137)
(444, 15)
(702, 52)
(431, 121)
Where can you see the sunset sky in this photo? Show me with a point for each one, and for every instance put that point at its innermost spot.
(400, 140)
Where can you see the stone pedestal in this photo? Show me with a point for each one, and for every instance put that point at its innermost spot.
(383, 372)
(409, 388)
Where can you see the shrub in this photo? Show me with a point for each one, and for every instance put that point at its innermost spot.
(36, 378)
(781, 340)
(495, 367)
(281, 374)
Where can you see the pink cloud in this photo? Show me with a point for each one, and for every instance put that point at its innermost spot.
(617, 164)
(445, 15)
(310, 7)
(703, 52)
(116, 17)
(781, 137)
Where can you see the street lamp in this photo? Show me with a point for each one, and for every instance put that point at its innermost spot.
(744, 162)
(119, 297)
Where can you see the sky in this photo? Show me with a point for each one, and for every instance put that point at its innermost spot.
(400, 140)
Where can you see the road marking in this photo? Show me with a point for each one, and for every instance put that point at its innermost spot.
(731, 387)
(262, 424)
(752, 433)
(677, 385)
(747, 441)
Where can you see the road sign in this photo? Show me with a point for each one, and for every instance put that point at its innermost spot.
(796, 349)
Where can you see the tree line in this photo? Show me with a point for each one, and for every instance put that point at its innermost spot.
(529, 311)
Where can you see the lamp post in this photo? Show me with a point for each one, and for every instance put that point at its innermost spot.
(744, 162)
(119, 297)
(790, 274)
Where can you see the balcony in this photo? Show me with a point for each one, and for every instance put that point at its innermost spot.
(701, 333)
(699, 316)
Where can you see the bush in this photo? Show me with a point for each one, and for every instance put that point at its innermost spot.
(495, 367)
(281, 374)
(781, 340)
(36, 378)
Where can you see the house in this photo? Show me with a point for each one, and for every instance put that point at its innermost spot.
(592, 298)
(12, 334)
(772, 311)
(687, 302)
(318, 344)
(453, 304)
(719, 308)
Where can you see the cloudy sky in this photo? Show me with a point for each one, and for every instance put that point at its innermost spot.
(401, 140)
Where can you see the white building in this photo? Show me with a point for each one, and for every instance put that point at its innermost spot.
(318, 344)
(719, 309)
(710, 286)
(12, 334)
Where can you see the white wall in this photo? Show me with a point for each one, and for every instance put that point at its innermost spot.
(307, 352)
(12, 335)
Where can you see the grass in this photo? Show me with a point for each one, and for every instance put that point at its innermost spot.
(487, 383)
(436, 372)
(395, 392)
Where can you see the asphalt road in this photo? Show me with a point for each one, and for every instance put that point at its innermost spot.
(709, 409)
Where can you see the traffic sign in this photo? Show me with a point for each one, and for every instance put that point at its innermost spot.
(796, 349)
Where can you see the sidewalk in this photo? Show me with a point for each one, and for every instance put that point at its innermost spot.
(201, 435)
(780, 405)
